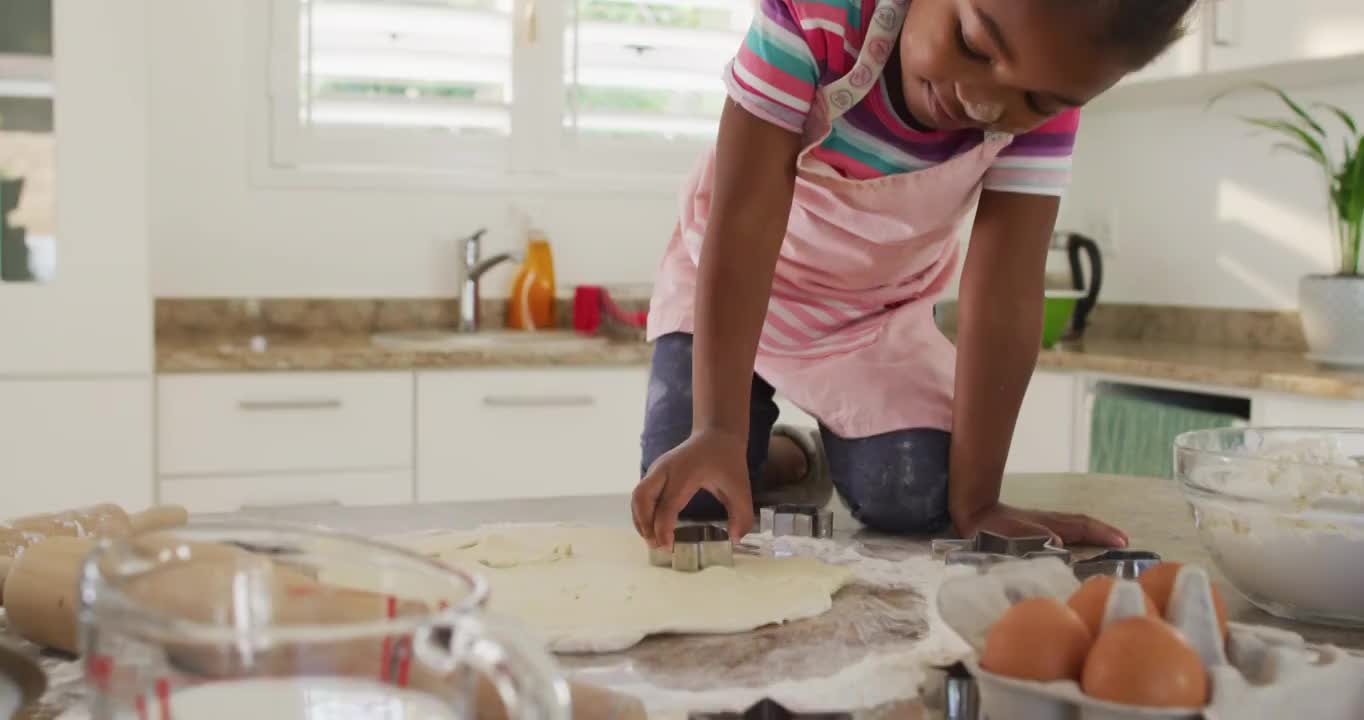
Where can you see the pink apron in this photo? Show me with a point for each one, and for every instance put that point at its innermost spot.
(849, 335)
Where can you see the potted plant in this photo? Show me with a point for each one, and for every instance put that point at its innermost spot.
(1332, 306)
(10, 189)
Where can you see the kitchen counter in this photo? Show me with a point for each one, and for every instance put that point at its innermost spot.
(1244, 369)
(344, 352)
(1239, 368)
(1151, 511)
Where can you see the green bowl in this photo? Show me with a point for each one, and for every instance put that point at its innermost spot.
(1057, 311)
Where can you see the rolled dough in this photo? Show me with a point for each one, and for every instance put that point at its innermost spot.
(593, 589)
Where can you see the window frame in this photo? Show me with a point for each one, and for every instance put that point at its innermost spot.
(539, 153)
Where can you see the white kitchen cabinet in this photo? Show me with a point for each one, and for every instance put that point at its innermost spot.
(71, 443)
(1245, 34)
(501, 434)
(76, 351)
(94, 318)
(227, 441)
(272, 422)
(1045, 434)
(1294, 411)
(230, 493)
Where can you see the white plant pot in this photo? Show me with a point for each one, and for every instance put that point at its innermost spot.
(1332, 309)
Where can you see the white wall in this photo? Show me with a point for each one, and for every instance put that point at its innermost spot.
(216, 232)
(1206, 214)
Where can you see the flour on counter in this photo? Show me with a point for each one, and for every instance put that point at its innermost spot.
(813, 681)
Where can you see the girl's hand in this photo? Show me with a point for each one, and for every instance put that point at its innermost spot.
(1064, 528)
(715, 461)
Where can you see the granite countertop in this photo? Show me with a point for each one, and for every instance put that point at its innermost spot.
(1247, 369)
(354, 351)
(1152, 511)
(1243, 368)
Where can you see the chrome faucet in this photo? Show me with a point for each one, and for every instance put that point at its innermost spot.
(474, 268)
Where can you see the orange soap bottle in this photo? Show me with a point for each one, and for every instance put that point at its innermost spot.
(532, 300)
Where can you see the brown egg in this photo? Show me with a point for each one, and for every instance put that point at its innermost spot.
(1144, 661)
(1159, 582)
(1037, 639)
(1090, 601)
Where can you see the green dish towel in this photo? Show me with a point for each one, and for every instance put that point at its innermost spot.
(1135, 436)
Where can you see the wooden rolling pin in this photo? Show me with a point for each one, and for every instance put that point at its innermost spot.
(106, 520)
(42, 600)
(41, 591)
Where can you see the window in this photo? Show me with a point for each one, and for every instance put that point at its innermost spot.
(441, 65)
(650, 69)
(543, 87)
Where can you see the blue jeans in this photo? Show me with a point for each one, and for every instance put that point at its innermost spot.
(895, 482)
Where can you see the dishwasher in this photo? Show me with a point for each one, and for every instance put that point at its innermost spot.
(1132, 428)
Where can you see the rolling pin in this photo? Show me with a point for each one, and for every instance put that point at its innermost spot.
(105, 520)
(42, 590)
(42, 600)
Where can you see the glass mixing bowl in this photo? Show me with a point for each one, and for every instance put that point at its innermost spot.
(1281, 511)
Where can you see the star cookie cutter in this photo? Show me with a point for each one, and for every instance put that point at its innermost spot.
(695, 548)
(988, 548)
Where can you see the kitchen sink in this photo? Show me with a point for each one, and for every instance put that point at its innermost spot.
(451, 341)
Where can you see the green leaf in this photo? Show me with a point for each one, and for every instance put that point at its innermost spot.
(1296, 108)
(1285, 127)
(1355, 190)
(1345, 118)
(1295, 149)
(1343, 188)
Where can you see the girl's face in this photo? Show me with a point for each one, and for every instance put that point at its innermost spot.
(1002, 64)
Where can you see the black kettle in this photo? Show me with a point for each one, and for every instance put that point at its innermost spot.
(1076, 245)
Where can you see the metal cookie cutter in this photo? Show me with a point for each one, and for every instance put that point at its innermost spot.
(953, 694)
(987, 548)
(797, 520)
(1122, 564)
(769, 710)
(695, 548)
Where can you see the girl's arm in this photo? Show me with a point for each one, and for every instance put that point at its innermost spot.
(755, 175)
(998, 338)
(755, 178)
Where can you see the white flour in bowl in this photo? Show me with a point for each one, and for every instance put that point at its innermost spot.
(1296, 538)
(1308, 473)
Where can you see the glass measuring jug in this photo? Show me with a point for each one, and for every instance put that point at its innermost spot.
(219, 620)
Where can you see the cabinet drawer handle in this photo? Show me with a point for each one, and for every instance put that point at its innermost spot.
(539, 401)
(286, 405)
(298, 505)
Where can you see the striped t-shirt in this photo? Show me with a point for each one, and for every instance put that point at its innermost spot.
(795, 46)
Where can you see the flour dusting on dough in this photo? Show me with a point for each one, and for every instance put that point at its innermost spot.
(502, 551)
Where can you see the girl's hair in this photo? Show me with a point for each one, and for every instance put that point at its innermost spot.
(1143, 29)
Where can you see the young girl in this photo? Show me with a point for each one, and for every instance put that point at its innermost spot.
(816, 236)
